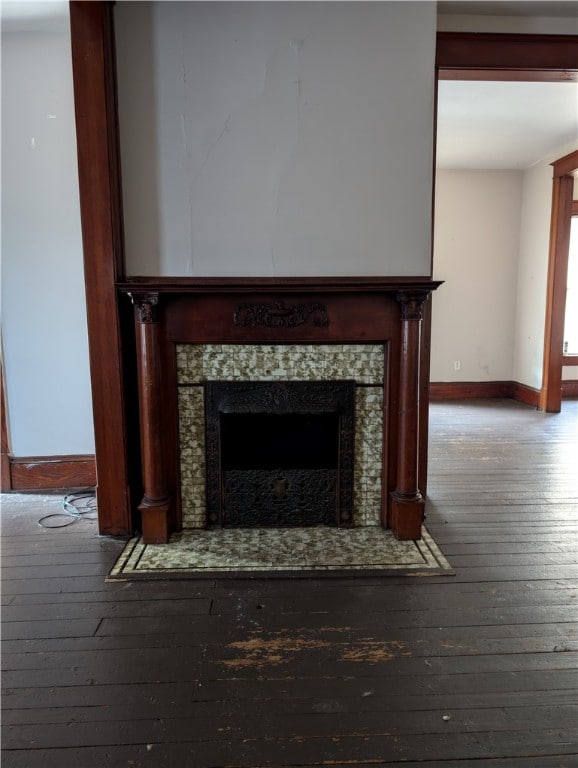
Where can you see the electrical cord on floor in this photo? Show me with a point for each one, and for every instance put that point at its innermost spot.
(75, 506)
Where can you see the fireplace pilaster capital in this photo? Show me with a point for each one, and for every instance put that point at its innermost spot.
(146, 306)
(411, 303)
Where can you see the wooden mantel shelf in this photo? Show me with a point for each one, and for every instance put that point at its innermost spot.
(341, 284)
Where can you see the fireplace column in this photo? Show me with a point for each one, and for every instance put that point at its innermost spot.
(155, 506)
(407, 507)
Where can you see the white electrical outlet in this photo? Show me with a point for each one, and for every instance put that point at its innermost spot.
(457, 365)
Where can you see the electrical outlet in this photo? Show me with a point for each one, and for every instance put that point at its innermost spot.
(457, 365)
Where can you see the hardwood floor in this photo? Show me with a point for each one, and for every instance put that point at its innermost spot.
(477, 669)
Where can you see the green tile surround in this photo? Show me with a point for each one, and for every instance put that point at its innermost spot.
(365, 363)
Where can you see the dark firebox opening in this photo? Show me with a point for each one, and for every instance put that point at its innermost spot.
(279, 453)
(279, 441)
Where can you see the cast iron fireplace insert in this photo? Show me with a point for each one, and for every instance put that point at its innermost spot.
(279, 453)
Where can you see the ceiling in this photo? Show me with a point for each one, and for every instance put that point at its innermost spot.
(492, 125)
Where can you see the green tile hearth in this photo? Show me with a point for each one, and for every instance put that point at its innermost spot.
(242, 550)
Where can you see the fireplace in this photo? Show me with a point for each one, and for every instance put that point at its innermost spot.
(193, 334)
(279, 453)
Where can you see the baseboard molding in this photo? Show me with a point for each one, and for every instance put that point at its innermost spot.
(5, 480)
(570, 388)
(525, 394)
(46, 473)
(468, 390)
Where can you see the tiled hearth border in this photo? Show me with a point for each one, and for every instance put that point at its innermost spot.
(364, 363)
(279, 552)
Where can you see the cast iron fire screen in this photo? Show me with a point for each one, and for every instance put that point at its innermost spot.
(279, 453)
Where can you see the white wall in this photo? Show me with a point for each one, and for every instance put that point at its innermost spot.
(492, 231)
(276, 138)
(43, 305)
(477, 226)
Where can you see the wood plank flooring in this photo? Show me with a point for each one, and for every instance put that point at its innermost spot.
(473, 670)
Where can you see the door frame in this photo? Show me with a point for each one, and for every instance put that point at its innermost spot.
(110, 323)
(528, 58)
(562, 205)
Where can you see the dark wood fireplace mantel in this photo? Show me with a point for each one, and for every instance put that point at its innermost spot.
(337, 284)
(292, 310)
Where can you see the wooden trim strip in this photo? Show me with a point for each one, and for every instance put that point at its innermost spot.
(347, 284)
(43, 473)
(466, 390)
(510, 75)
(569, 359)
(93, 65)
(566, 166)
(469, 390)
(569, 387)
(5, 479)
(487, 51)
(556, 291)
(525, 394)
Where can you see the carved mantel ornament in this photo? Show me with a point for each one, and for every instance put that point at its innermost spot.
(279, 315)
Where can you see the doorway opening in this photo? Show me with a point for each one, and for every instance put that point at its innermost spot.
(499, 344)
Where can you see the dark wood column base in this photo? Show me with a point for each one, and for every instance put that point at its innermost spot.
(407, 515)
(155, 517)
